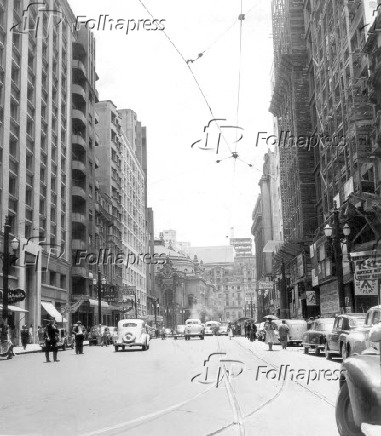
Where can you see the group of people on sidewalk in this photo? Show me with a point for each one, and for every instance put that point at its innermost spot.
(250, 331)
(270, 338)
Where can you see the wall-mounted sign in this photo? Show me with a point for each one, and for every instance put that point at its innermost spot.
(16, 295)
(311, 298)
(265, 285)
(366, 287)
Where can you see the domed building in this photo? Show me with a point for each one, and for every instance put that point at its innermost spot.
(181, 288)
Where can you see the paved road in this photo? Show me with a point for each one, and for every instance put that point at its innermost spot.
(152, 393)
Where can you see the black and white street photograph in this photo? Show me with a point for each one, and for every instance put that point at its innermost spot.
(190, 217)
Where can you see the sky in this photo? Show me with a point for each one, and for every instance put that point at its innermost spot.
(143, 71)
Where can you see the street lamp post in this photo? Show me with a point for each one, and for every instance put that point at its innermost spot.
(8, 259)
(334, 240)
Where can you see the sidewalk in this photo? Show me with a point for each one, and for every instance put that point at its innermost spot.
(33, 348)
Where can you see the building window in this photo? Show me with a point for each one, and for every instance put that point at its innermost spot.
(63, 281)
(52, 278)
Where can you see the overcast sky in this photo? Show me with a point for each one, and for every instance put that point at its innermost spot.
(187, 189)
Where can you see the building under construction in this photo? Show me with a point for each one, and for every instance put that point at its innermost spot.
(327, 67)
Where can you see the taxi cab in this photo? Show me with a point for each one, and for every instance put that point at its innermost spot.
(132, 333)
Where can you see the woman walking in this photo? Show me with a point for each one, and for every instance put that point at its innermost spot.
(270, 334)
(230, 332)
(24, 336)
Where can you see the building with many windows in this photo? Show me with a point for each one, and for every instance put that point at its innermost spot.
(35, 152)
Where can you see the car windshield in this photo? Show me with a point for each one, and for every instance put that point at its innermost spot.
(356, 322)
(129, 324)
(325, 326)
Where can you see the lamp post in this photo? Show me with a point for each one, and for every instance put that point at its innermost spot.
(333, 236)
(8, 259)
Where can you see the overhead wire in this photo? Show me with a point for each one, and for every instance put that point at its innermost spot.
(241, 18)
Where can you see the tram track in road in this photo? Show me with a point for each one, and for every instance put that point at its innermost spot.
(312, 391)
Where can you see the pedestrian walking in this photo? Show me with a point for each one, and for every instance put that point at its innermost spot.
(248, 330)
(253, 332)
(230, 332)
(51, 337)
(79, 333)
(270, 334)
(31, 336)
(24, 336)
(6, 345)
(105, 335)
(283, 334)
(245, 329)
(40, 332)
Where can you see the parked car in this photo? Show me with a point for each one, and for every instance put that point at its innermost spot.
(64, 340)
(193, 328)
(180, 331)
(297, 328)
(315, 337)
(211, 328)
(132, 333)
(337, 340)
(223, 329)
(358, 340)
(359, 401)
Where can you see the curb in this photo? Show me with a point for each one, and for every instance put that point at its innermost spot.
(86, 343)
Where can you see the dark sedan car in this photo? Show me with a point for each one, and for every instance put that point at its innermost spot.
(337, 339)
(315, 337)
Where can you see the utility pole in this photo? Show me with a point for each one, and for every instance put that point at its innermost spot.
(251, 308)
(338, 258)
(99, 297)
(6, 257)
(136, 307)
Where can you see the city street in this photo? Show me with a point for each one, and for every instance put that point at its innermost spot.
(146, 393)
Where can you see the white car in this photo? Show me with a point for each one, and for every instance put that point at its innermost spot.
(211, 327)
(132, 333)
(193, 327)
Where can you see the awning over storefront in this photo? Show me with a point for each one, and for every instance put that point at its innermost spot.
(272, 246)
(14, 309)
(52, 311)
(287, 252)
(94, 303)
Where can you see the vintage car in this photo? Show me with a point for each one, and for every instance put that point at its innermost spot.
(358, 340)
(193, 328)
(315, 337)
(132, 333)
(223, 329)
(336, 343)
(64, 341)
(359, 401)
(297, 328)
(180, 330)
(211, 328)
(95, 339)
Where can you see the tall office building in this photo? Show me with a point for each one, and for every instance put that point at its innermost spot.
(121, 177)
(35, 151)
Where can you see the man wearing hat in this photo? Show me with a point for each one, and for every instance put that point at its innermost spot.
(79, 332)
(51, 337)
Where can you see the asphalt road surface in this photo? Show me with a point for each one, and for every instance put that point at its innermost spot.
(174, 388)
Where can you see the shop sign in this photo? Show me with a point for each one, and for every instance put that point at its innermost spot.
(16, 295)
(266, 285)
(311, 298)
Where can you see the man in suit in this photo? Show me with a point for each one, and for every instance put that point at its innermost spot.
(79, 332)
(51, 337)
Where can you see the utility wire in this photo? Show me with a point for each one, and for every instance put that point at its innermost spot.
(241, 18)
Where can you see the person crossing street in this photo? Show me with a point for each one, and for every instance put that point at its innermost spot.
(51, 338)
(79, 333)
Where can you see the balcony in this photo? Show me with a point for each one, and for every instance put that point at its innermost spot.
(79, 94)
(96, 139)
(79, 119)
(79, 192)
(96, 117)
(96, 161)
(78, 244)
(78, 165)
(79, 70)
(79, 271)
(78, 50)
(77, 139)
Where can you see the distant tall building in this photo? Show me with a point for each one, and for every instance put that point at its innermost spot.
(242, 246)
(169, 237)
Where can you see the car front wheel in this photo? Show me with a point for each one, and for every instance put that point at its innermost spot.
(344, 414)
(306, 350)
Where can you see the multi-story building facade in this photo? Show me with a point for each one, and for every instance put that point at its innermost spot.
(35, 152)
(84, 165)
(121, 177)
(344, 103)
